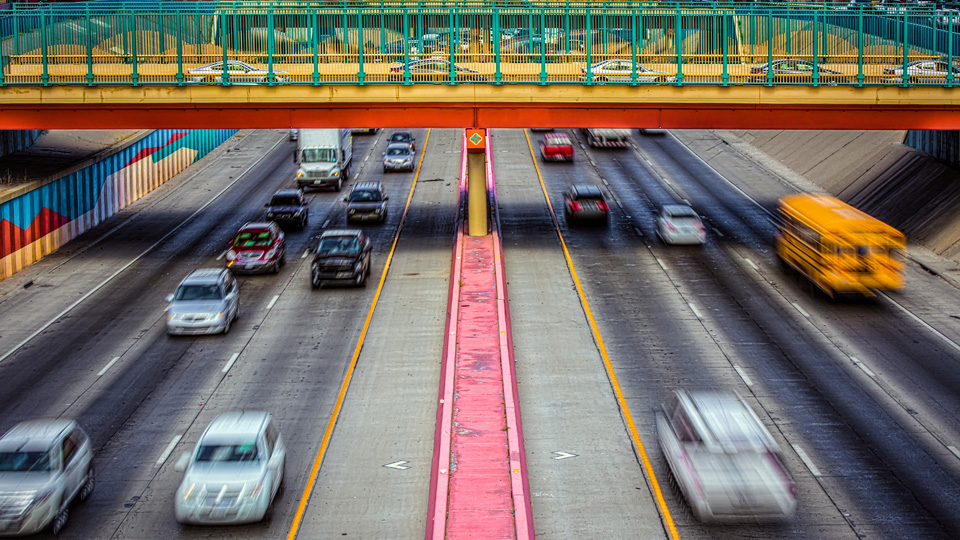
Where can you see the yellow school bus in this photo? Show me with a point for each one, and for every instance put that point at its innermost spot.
(838, 248)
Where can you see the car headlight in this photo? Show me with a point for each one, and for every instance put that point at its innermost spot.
(220, 315)
(298, 212)
(352, 211)
(269, 215)
(39, 498)
(408, 160)
(299, 173)
(378, 210)
(190, 493)
(270, 254)
(358, 267)
(335, 173)
(231, 255)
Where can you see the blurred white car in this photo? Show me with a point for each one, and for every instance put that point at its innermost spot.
(206, 302)
(294, 134)
(44, 466)
(237, 73)
(923, 71)
(234, 473)
(679, 224)
(726, 463)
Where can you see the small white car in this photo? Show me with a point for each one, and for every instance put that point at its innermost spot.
(44, 466)
(206, 302)
(679, 224)
(726, 463)
(237, 73)
(234, 473)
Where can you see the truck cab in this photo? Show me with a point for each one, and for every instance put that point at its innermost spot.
(324, 157)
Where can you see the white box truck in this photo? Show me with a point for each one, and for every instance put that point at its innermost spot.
(323, 158)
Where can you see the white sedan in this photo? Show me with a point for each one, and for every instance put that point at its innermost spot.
(622, 71)
(679, 224)
(237, 73)
(923, 71)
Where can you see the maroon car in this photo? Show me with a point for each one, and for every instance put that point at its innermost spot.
(258, 247)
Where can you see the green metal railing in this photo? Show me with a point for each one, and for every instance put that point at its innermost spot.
(550, 42)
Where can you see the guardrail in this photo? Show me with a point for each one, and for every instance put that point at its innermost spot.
(369, 43)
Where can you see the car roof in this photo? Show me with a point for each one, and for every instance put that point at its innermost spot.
(341, 232)
(256, 225)
(288, 193)
(401, 145)
(235, 424)
(368, 186)
(586, 190)
(678, 210)
(400, 133)
(204, 275)
(725, 422)
(35, 434)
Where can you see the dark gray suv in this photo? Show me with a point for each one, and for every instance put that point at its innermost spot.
(367, 202)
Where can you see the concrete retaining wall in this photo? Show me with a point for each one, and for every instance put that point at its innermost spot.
(14, 140)
(874, 171)
(38, 222)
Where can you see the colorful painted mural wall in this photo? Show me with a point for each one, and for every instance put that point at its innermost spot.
(40, 221)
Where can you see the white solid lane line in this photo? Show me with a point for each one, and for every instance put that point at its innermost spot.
(166, 453)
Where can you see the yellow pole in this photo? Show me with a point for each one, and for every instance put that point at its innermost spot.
(476, 182)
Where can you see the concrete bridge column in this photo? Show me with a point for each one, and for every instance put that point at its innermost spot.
(476, 182)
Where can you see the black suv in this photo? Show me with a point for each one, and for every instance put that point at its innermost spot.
(342, 256)
(288, 207)
(367, 202)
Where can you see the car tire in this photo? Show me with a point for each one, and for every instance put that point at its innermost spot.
(339, 184)
(88, 486)
(226, 326)
(60, 520)
(314, 279)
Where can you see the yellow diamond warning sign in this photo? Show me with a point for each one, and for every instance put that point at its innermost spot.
(475, 140)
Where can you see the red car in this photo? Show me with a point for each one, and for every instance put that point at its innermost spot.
(556, 147)
(258, 247)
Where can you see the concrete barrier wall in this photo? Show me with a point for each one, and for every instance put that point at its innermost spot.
(14, 140)
(39, 221)
(943, 145)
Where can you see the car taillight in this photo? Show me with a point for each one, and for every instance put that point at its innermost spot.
(700, 227)
(575, 206)
(603, 206)
(396, 69)
(670, 227)
(888, 71)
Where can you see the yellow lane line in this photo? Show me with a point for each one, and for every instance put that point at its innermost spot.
(305, 498)
(645, 461)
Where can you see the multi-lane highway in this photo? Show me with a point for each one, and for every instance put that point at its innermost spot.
(861, 395)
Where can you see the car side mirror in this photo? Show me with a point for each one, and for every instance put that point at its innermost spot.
(383, 153)
(182, 463)
(346, 199)
(169, 298)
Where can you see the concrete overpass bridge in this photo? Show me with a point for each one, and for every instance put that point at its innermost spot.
(616, 64)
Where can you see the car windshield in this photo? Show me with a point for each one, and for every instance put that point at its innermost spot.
(345, 245)
(399, 137)
(198, 292)
(318, 155)
(363, 195)
(285, 201)
(401, 151)
(252, 239)
(216, 453)
(24, 461)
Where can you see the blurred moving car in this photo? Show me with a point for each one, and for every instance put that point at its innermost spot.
(435, 69)
(585, 202)
(923, 71)
(294, 134)
(607, 137)
(403, 137)
(367, 202)
(342, 256)
(398, 157)
(206, 302)
(679, 224)
(556, 147)
(289, 207)
(234, 473)
(622, 71)
(258, 247)
(724, 460)
(44, 466)
(793, 70)
(237, 73)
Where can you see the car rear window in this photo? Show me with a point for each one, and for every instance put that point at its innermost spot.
(285, 201)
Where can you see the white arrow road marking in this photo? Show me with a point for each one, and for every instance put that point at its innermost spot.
(399, 465)
(564, 455)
